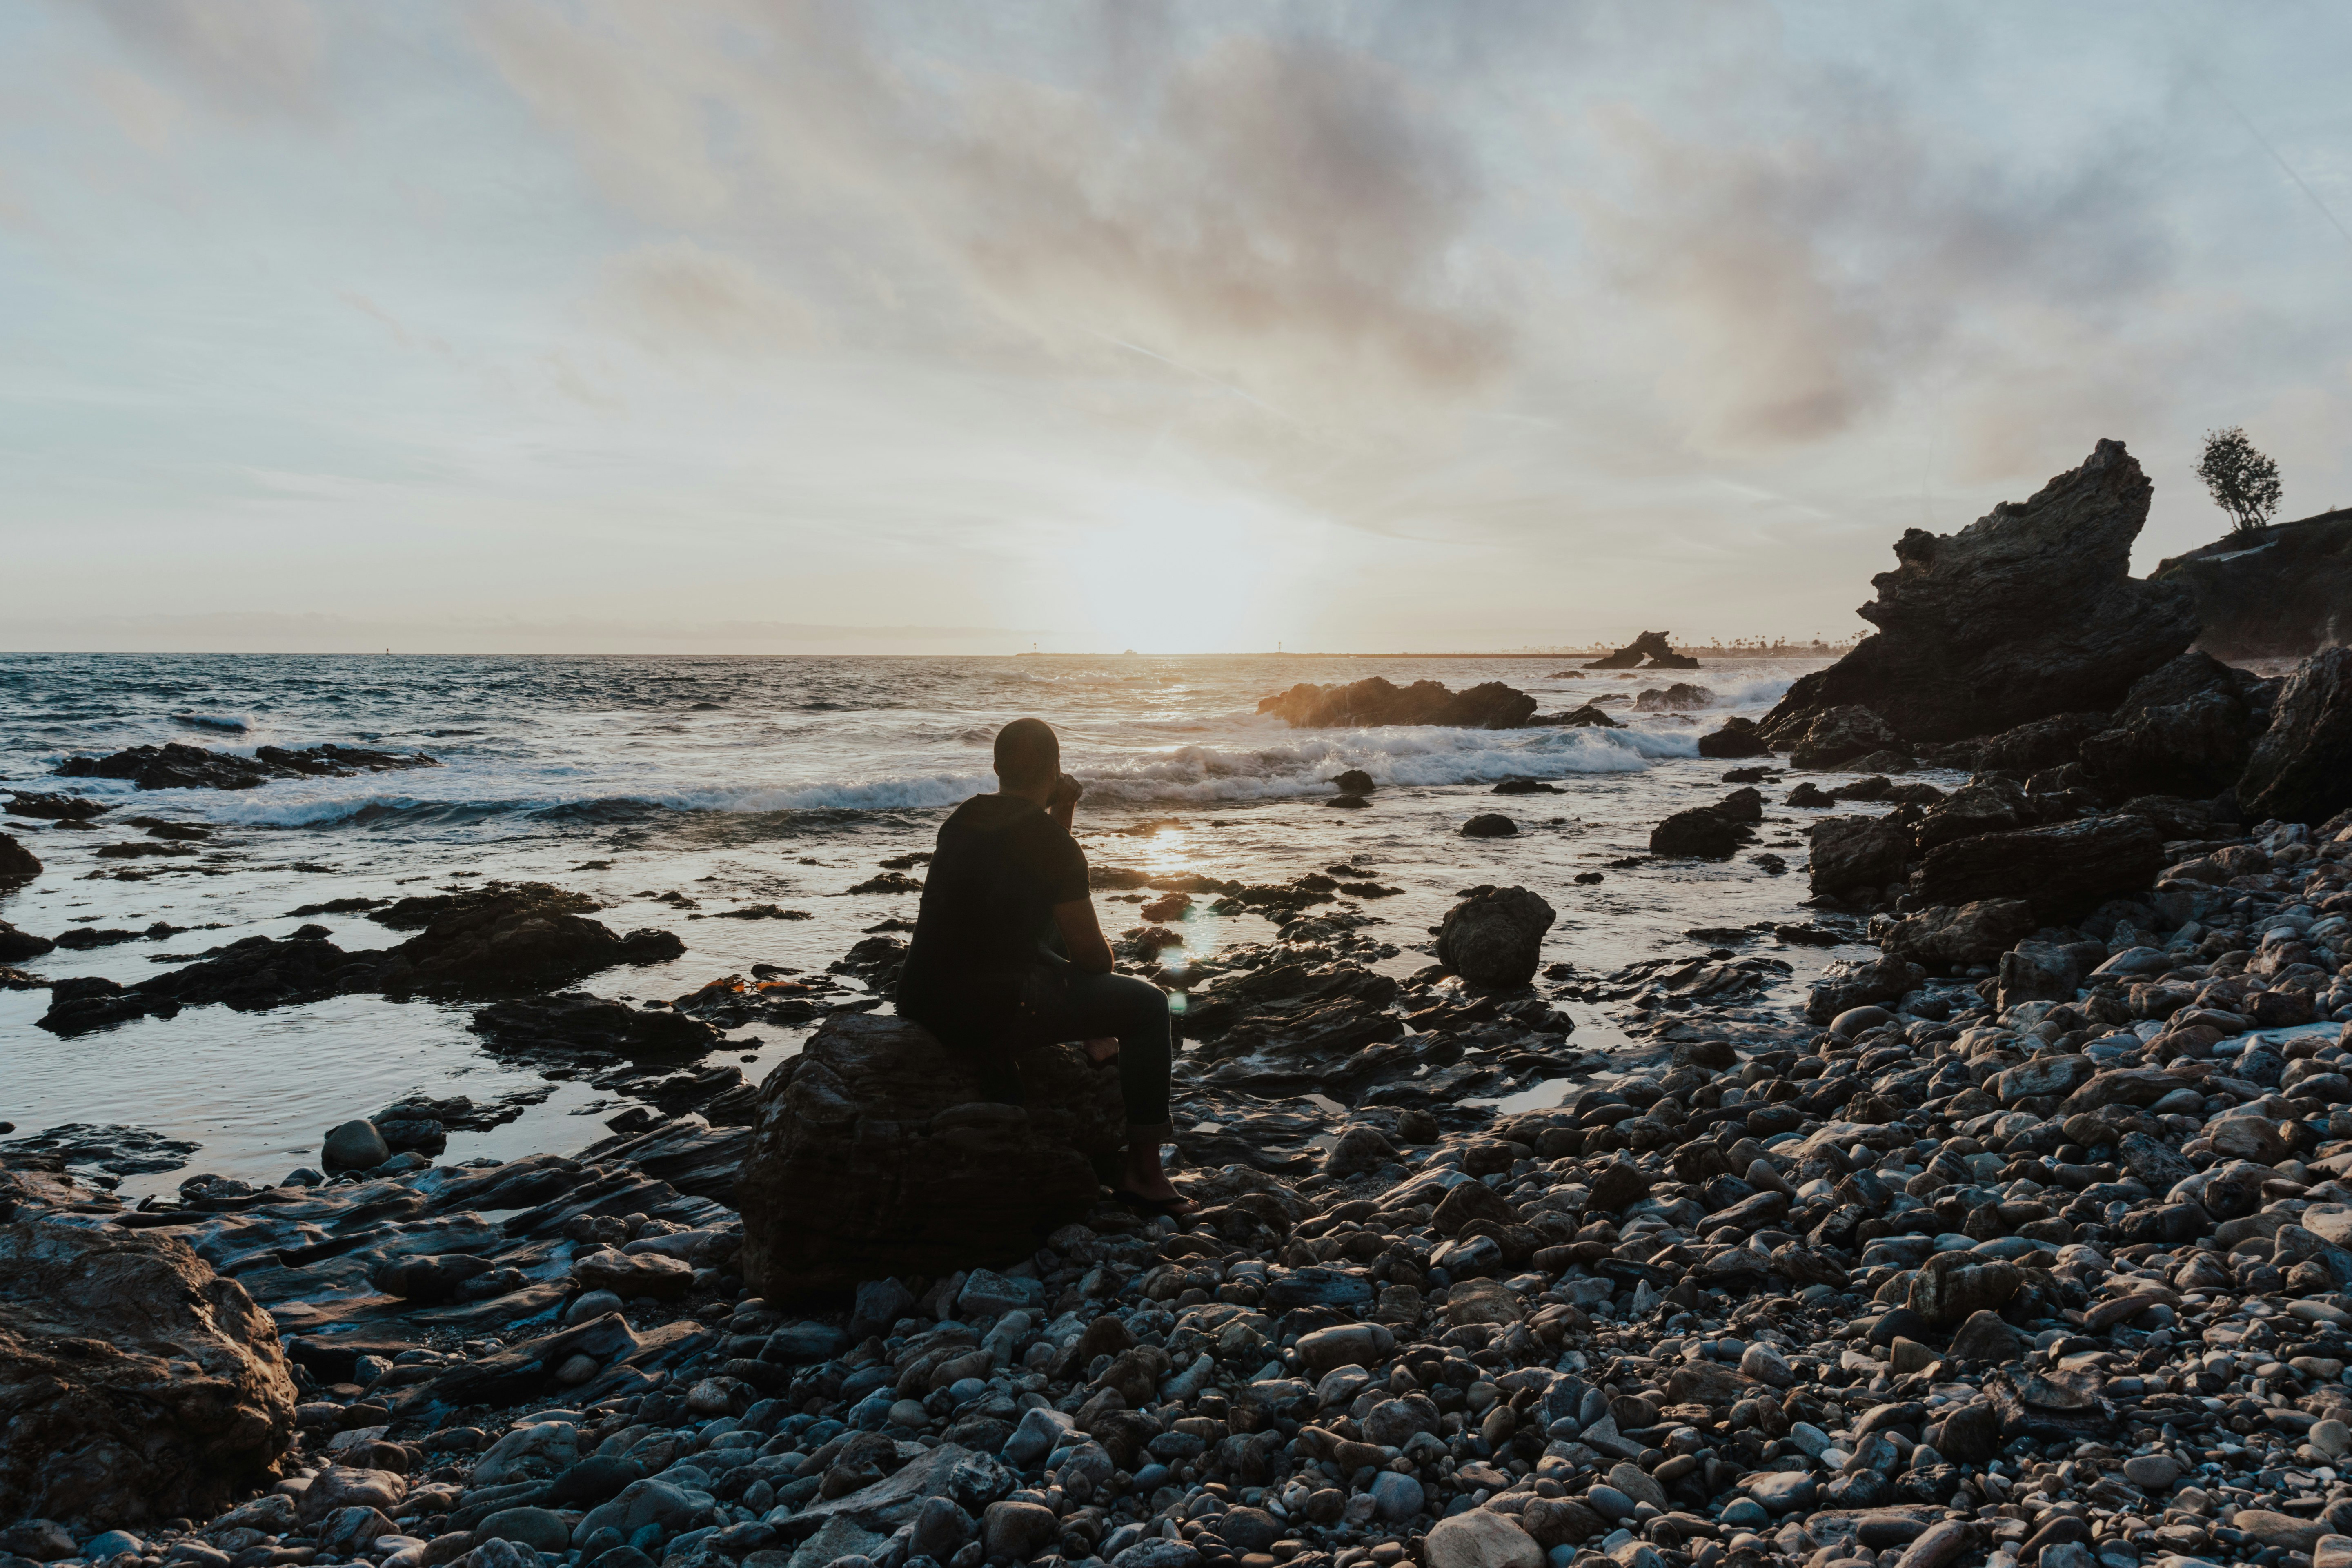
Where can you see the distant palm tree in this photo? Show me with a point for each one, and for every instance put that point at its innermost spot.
(2244, 482)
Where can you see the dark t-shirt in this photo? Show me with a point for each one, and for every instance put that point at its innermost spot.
(999, 867)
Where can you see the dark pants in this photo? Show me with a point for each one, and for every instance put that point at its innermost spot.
(1135, 1011)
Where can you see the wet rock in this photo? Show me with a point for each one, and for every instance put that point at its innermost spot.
(559, 1027)
(1737, 737)
(53, 808)
(354, 1146)
(876, 1155)
(2029, 611)
(1354, 781)
(1490, 825)
(2301, 769)
(1851, 853)
(134, 1383)
(1495, 937)
(1949, 936)
(1833, 736)
(1651, 650)
(510, 938)
(15, 945)
(177, 767)
(1377, 701)
(18, 863)
(2061, 870)
(1847, 985)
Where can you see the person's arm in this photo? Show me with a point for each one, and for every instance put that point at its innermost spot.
(1082, 936)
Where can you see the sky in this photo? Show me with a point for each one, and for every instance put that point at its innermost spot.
(773, 326)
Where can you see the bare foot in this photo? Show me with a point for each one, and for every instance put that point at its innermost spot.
(1102, 1050)
(1145, 1180)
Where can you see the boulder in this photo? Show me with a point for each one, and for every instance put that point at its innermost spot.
(1950, 936)
(1495, 937)
(1737, 737)
(1952, 1287)
(17, 864)
(2184, 728)
(2044, 743)
(1851, 852)
(2028, 612)
(1701, 833)
(2038, 972)
(1490, 825)
(874, 1153)
(1847, 985)
(1834, 735)
(1650, 647)
(16, 945)
(1478, 1539)
(134, 1383)
(2301, 769)
(353, 1146)
(1378, 701)
(2061, 871)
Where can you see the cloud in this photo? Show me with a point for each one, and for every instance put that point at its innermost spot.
(678, 295)
(1810, 277)
(248, 59)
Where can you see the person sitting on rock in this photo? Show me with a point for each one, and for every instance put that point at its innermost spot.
(1007, 952)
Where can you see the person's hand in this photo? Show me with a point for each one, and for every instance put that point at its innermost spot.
(1067, 790)
(1103, 1049)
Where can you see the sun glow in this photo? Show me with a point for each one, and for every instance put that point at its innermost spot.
(1168, 575)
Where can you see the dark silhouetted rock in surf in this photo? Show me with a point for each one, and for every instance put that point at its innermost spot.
(54, 807)
(17, 864)
(1355, 781)
(513, 940)
(562, 1027)
(1489, 825)
(1586, 717)
(2284, 595)
(21, 945)
(416, 914)
(876, 1155)
(1378, 701)
(1737, 737)
(2302, 768)
(1495, 937)
(177, 767)
(1650, 646)
(1836, 736)
(2030, 611)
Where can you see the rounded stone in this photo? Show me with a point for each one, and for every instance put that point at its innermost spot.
(2152, 1472)
(1477, 1538)
(1854, 1020)
(590, 1304)
(354, 1146)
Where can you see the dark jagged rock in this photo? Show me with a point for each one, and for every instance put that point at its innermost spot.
(560, 1027)
(517, 938)
(1678, 698)
(1950, 937)
(1318, 1013)
(2185, 729)
(1378, 701)
(1834, 737)
(1495, 937)
(2029, 748)
(256, 973)
(21, 945)
(875, 1155)
(1700, 833)
(54, 807)
(1490, 825)
(135, 1384)
(2301, 769)
(1653, 647)
(1737, 737)
(17, 864)
(1858, 853)
(177, 767)
(2284, 595)
(1585, 718)
(2063, 869)
(2028, 612)
(416, 914)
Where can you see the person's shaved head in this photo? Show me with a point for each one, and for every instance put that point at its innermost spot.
(1027, 754)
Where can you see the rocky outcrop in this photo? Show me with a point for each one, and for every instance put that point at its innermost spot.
(2186, 728)
(177, 767)
(17, 864)
(1833, 737)
(1948, 937)
(1377, 701)
(1679, 697)
(1651, 650)
(1737, 737)
(2284, 595)
(875, 1155)
(1495, 937)
(2302, 769)
(2063, 869)
(504, 941)
(134, 1383)
(2028, 612)
(50, 807)
(15, 945)
(1857, 855)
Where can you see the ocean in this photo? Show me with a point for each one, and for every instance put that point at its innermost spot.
(673, 790)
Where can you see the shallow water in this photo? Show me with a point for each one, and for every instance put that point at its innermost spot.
(743, 781)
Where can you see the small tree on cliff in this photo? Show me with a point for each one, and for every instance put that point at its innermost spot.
(2244, 482)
